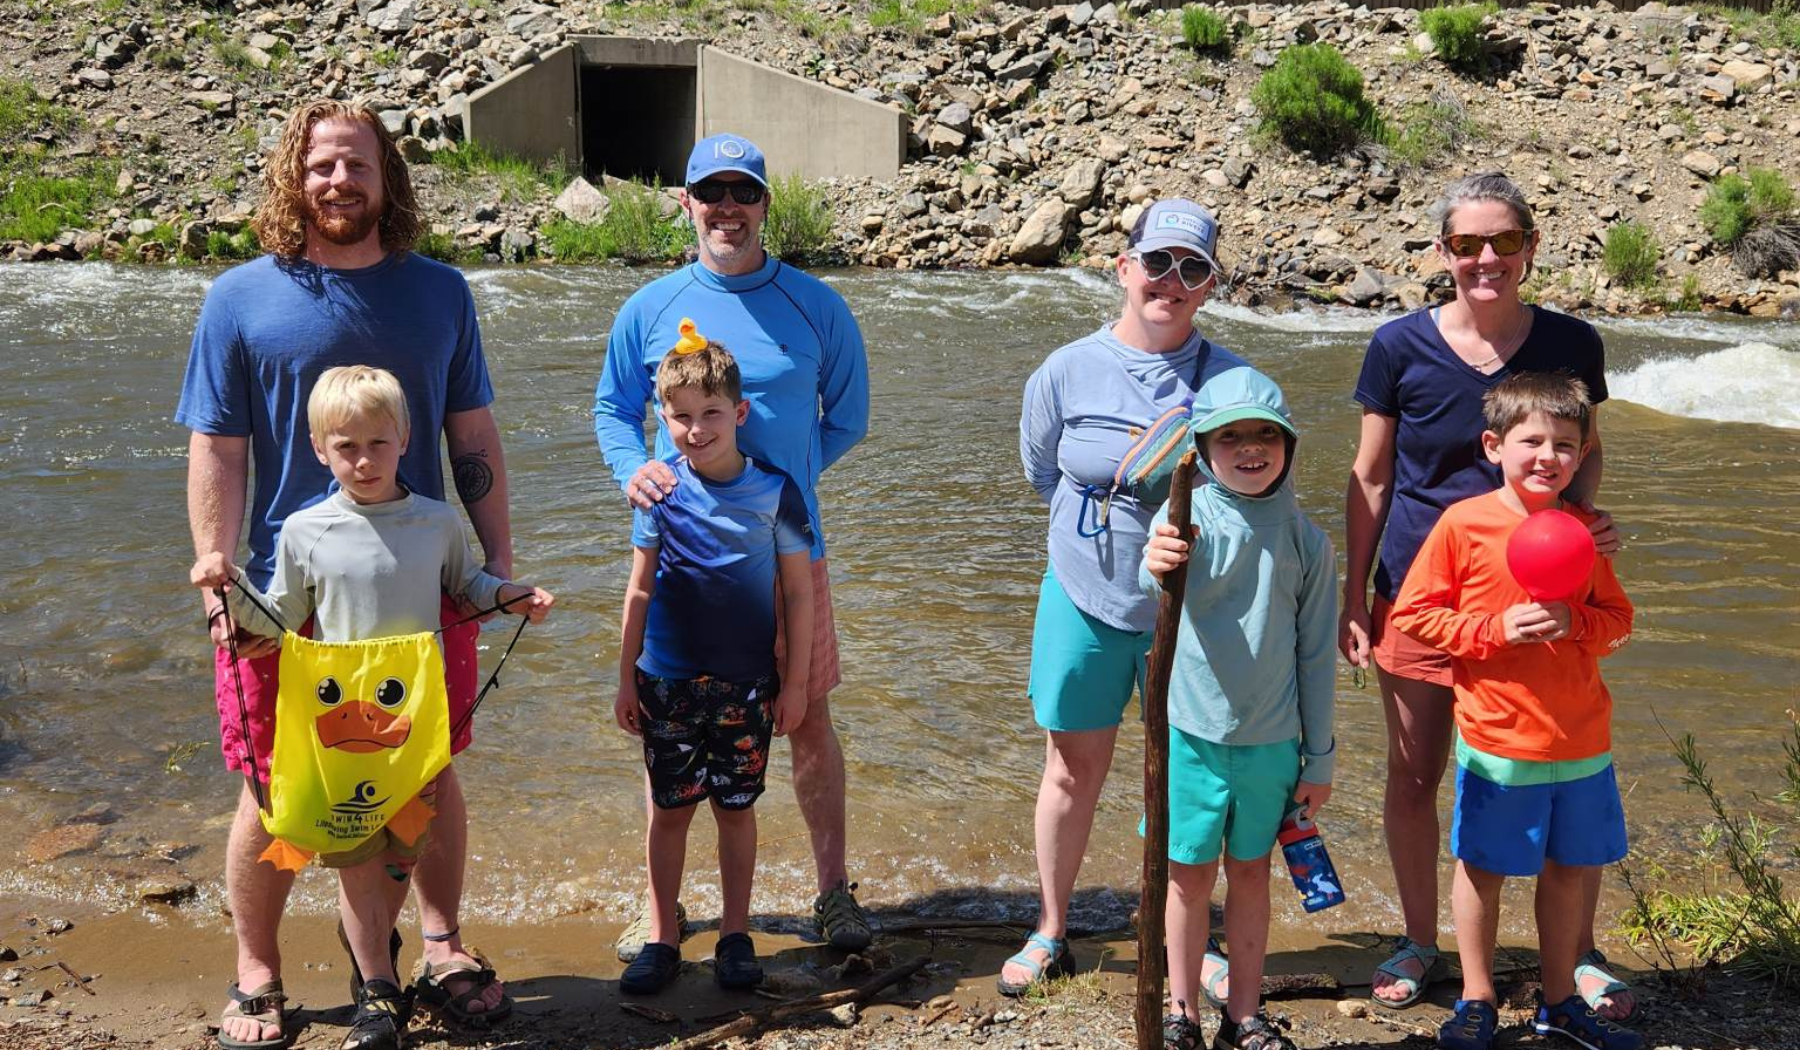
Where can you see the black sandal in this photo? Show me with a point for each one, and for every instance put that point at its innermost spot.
(382, 1011)
(356, 977)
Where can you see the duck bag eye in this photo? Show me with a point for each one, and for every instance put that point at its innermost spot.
(360, 728)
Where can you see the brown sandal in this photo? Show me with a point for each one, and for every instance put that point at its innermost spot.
(429, 990)
(262, 1006)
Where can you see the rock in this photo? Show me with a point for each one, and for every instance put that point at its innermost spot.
(87, 244)
(1111, 149)
(844, 1016)
(70, 838)
(1215, 178)
(8, 953)
(956, 117)
(1352, 1008)
(535, 20)
(873, 222)
(1081, 182)
(1423, 43)
(1107, 14)
(59, 926)
(412, 149)
(945, 141)
(1025, 69)
(165, 891)
(193, 238)
(99, 79)
(581, 202)
(394, 120)
(1081, 14)
(1701, 163)
(517, 245)
(212, 101)
(912, 205)
(1039, 240)
(1238, 171)
(392, 20)
(1367, 287)
(1719, 89)
(1747, 76)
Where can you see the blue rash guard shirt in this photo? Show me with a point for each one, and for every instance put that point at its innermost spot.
(801, 354)
(1409, 373)
(1084, 406)
(270, 327)
(712, 611)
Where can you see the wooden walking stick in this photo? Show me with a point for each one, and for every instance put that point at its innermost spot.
(1152, 963)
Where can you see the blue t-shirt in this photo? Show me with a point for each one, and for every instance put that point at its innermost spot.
(1412, 375)
(713, 609)
(801, 354)
(270, 327)
(1083, 408)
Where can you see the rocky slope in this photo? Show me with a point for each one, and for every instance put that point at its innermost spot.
(1037, 134)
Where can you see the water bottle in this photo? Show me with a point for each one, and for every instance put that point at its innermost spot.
(1308, 863)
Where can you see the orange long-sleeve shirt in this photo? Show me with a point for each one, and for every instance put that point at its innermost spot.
(1540, 701)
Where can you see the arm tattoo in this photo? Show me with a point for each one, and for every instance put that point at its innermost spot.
(474, 478)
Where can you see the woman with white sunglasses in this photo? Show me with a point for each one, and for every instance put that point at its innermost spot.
(1421, 388)
(1085, 407)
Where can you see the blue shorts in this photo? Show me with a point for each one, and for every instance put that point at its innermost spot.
(1082, 670)
(1510, 829)
(1227, 796)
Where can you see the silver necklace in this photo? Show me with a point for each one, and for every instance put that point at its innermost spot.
(1512, 343)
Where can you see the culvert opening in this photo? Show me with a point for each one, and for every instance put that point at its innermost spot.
(637, 122)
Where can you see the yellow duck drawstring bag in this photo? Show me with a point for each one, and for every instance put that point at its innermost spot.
(360, 729)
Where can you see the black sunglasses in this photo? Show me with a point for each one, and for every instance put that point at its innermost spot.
(1469, 245)
(1193, 270)
(711, 191)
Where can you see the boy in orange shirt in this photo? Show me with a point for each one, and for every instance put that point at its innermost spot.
(1535, 791)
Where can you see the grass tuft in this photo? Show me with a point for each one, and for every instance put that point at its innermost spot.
(1456, 34)
(798, 229)
(1630, 255)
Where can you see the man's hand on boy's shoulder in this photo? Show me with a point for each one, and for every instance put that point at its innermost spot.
(1536, 622)
(1313, 797)
(790, 709)
(1606, 534)
(647, 487)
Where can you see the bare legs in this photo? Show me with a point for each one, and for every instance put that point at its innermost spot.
(258, 894)
(1475, 900)
(1188, 919)
(439, 878)
(665, 855)
(1075, 768)
(369, 901)
(1419, 725)
(818, 765)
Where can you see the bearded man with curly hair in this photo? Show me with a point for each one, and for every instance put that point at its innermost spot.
(340, 285)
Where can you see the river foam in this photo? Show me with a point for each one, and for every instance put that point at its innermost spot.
(1747, 383)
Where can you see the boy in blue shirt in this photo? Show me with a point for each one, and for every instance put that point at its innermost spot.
(698, 679)
(1250, 699)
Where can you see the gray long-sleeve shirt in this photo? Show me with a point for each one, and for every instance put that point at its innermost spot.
(368, 570)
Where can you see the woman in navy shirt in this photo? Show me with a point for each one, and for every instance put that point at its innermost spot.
(1421, 390)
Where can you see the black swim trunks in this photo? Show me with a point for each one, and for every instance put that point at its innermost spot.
(706, 737)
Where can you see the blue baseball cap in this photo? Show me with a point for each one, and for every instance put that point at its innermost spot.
(725, 152)
(1178, 223)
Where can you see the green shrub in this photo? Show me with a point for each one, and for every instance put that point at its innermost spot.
(568, 241)
(798, 228)
(634, 229)
(443, 248)
(1735, 204)
(520, 180)
(1456, 34)
(239, 245)
(1202, 30)
(1430, 131)
(1690, 300)
(1312, 99)
(1730, 906)
(1630, 255)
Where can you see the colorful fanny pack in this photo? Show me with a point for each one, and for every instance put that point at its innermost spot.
(1148, 464)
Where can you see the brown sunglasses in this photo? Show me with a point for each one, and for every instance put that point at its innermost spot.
(1469, 245)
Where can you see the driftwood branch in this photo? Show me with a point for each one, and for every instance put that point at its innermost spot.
(756, 1019)
(1152, 963)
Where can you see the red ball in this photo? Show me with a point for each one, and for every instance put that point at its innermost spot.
(1551, 554)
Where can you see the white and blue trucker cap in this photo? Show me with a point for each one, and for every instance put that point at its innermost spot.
(1177, 223)
(725, 152)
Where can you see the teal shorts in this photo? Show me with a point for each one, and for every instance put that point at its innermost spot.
(1082, 670)
(1229, 795)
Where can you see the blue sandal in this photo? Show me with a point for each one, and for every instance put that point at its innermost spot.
(1431, 967)
(1060, 964)
(1215, 956)
(1472, 1027)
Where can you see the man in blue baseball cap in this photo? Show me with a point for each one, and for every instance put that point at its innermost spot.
(806, 377)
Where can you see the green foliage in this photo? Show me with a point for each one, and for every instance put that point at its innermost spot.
(910, 16)
(1312, 99)
(1779, 27)
(1630, 255)
(1735, 205)
(239, 245)
(1730, 905)
(41, 195)
(443, 248)
(1689, 301)
(798, 228)
(23, 114)
(1456, 34)
(519, 179)
(1202, 30)
(635, 230)
(385, 57)
(1432, 131)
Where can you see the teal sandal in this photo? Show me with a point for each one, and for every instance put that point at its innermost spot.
(1060, 964)
(1210, 988)
(1431, 968)
(1592, 965)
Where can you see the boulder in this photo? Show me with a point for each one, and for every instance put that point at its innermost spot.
(1367, 287)
(535, 20)
(193, 238)
(1701, 163)
(945, 141)
(581, 202)
(956, 117)
(99, 79)
(1081, 182)
(393, 19)
(1747, 76)
(1039, 240)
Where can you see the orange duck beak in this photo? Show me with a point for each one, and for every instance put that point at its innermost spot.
(362, 728)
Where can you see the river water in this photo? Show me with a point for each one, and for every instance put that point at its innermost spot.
(937, 548)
